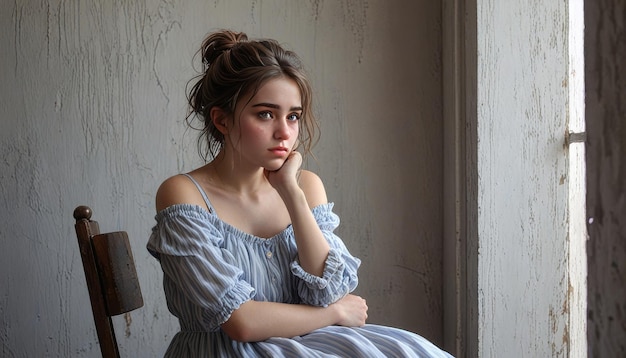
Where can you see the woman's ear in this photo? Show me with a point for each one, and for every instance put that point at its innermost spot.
(219, 119)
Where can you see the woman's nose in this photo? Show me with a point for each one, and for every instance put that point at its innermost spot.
(282, 130)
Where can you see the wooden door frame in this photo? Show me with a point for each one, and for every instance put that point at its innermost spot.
(460, 256)
(460, 190)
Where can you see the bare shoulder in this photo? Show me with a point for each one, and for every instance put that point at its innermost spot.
(313, 188)
(178, 190)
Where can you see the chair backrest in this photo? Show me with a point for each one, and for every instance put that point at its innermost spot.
(111, 276)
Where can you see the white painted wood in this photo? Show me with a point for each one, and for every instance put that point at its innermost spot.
(576, 180)
(528, 267)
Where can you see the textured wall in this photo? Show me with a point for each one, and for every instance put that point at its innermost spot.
(524, 84)
(605, 56)
(92, 108)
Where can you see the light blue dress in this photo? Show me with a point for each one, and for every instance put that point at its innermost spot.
(210, 268)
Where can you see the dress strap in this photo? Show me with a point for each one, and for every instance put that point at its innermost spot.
(202, 192)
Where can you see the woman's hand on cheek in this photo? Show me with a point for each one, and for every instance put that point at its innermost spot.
(287, 174)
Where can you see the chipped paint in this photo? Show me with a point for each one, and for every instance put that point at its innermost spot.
(525, 180)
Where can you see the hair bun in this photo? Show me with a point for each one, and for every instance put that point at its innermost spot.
(219, 42)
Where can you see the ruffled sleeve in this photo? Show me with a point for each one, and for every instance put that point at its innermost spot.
(189, 248)
(340, 272)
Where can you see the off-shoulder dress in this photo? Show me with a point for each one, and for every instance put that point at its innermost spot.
(210, 268)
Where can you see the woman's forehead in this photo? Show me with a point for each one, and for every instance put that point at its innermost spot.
(281, 92)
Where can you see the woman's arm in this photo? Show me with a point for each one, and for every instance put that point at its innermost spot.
(300, 195)
(256, 321)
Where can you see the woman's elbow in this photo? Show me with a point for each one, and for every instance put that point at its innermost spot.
(239, 329)
(239, 335)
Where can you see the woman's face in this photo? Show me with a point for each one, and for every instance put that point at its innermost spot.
(266, 126)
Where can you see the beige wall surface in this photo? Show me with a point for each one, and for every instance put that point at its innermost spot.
(92, 112)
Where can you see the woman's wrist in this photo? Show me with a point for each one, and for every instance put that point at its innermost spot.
(291, 194)
(334, 314)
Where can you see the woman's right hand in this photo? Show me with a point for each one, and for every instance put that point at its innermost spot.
(352, 311)
(287, 175)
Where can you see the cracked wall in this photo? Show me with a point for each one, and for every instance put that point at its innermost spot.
(93, 108)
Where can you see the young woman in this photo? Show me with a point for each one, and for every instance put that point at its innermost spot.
(251, 265)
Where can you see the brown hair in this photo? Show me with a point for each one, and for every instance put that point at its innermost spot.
(234, 66)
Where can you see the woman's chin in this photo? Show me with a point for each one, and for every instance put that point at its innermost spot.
(272, 167)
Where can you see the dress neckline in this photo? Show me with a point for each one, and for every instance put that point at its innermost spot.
(237, 230)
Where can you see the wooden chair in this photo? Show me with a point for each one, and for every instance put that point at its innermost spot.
(111, 276)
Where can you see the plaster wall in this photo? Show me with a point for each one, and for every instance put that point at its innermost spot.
(92, 112)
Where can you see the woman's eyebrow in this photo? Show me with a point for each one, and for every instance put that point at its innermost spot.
(275, 106)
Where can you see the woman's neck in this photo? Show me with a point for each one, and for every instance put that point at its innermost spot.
(236, 178)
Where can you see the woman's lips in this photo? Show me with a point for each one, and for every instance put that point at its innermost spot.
(279, 150)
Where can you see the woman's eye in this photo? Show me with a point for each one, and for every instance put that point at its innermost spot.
(293, 117)
(265, 115)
